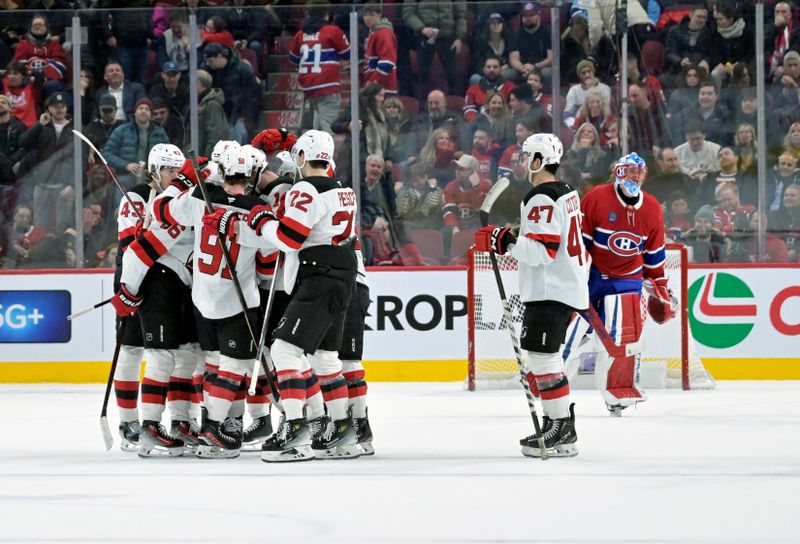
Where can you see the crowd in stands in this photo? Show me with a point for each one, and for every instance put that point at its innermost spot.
(449, 91)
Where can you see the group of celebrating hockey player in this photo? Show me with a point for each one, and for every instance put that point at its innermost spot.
(212, 250)
(574, 255)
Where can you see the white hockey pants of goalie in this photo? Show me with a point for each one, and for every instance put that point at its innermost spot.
(616, 379)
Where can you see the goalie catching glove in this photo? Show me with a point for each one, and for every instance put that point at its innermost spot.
(273, 140)
(125, 303)
(222, 221)
(662, 304)
(495, 239)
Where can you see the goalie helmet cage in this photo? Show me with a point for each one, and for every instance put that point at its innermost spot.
(669, 358)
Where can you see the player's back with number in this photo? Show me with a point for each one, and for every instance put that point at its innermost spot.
(318, 49)
(550, 244)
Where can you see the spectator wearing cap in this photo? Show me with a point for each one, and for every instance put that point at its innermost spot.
(43, 56)
(492, 80)
(576, 95)
(493, 39)
(173, 89)
(23, 94)
(11, 152)
(51, 133)
(706, 243)
(126, 93)
(464, 195)
(733, 39)
(531, 49)
(128, 146)
(171, 124)
(211, 122)
(380, 53)
(241, 89)
(697, 157)
(439, 28)
(690, 42)
(126, 33)
(99, 130)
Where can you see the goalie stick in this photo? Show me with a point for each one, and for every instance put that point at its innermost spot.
(88, 309)
(490, 198)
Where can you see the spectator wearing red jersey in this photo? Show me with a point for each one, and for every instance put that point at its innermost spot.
(24, 95)
(43, 56)
(318, 50)
(492, 80)
(22, 236)
(216, 31)
(464, 195)
(380, 53)
(729, 210)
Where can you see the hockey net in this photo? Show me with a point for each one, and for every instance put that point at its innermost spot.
(669, 358)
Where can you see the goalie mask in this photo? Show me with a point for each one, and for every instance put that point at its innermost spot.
(630, 171)
(163, 156)
(315, 145)
(547, 146)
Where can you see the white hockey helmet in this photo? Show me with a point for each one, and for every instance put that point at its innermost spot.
(235, 161)
(282, 165)
(161, 156)
(212, 174)
(258, 156)
(548, 146)
(315, 146)
(221, 146)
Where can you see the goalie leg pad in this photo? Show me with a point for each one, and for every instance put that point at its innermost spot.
(617, 379)
(155, 385)
(126, 382)
(289, 363)
(579, 340)
(552, 383)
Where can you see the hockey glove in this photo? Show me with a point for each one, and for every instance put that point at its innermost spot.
(222, 221)
(259, 216)
(186, 178)
(495, 239)
(662, 304)
(273, 140)
(125, 303)
(138, 229)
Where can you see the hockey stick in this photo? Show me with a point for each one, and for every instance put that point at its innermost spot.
(488, 201)
(88, 142)
(614, 350)
(263, 338)
(108, 438)
(79, 313)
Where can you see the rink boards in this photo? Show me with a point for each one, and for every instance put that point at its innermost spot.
(745, 321)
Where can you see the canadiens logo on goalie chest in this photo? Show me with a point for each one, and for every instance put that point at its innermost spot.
(625, 244)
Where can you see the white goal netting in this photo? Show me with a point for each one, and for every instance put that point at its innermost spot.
(669, 358)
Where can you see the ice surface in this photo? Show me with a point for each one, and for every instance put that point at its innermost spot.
(710, 466)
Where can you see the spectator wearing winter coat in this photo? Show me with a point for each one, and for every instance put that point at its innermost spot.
(11, 152)
(380, 52)
(690, 42)
(706, 243)
(709, 109)
(785, 221)
(734, 40)
(173, 89)
(99, 130)
(781, 36)
(126, 33)
(210, 115)
(783, 174)
(126, 93)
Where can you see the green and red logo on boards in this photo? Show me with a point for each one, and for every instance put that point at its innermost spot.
(722, 310)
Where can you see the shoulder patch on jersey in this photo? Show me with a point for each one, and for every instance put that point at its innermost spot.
(554, 190)
(323, 183)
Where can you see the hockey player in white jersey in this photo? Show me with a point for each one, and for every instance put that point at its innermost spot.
(222, 326)
(552, 283)
(317, 234)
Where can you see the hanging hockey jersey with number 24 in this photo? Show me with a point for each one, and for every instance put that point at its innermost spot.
(552, 260)
(318, 54)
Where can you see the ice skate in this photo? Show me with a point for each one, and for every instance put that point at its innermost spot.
(129, 433)
(364, 435)
(546, 424)
(291, 442)
(186, 432)
(257, 433)
(339, 440)
(216, 443)
(154, 441)
(559, 439)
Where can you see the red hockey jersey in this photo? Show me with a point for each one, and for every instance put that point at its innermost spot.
(624, 241)
(381, 57)
(461, 205)
(48, 58)
(318, 58)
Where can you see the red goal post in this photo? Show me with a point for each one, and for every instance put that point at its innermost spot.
(669, 358)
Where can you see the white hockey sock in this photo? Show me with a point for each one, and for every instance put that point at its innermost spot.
(181, 386)
(126, 382)
(155, 385)
(354, 374)
(289, 363)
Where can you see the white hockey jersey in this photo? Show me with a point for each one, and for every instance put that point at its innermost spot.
(320, 211)
(552, 260)
(213, 292)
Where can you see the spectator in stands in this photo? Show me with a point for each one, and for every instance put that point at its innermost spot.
(248, 22)
(101, 189)
(173, 89)
(88, 96)
(463, 197)
(126, 93)
(575, 46)
(743, 77)
(729, 172)
(747, 108)
(171, 125)
(94, 239)
(57, 13)
(23, 94)
(791, 142)
(602, 18)
(420, 199)
(744, 243)
(524, 108)
(492, 39)
(531, 49)
(485, 151)
(52, 133)
(783, 174)
(785, 221)
(398, 132)
(440, 28)
(21, 236)
(11, 151)
(540, 97)
(438, 116)
(733, 40)
(746, 147)
(787, 84)
(380, 54)
(378, 205)
(216, 31)
(697, 157)
(127, 148)
(597, 111)
(496, 118)
(437, 156)
(126, 33)
(688, 83)
(43, 56)
(612, 147)
(374, 131)
(492, 80)
(648, 131)
(669, 179)
(522, 129)
(706, 244)
(730, 214)
(99, 130)
(677, 215)
(240, 87)
(587, 154)
(638, 74)
(781, 36)
(576, 95)
(175, 42)
(690, 43)
(709, 109)
(211, 122)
